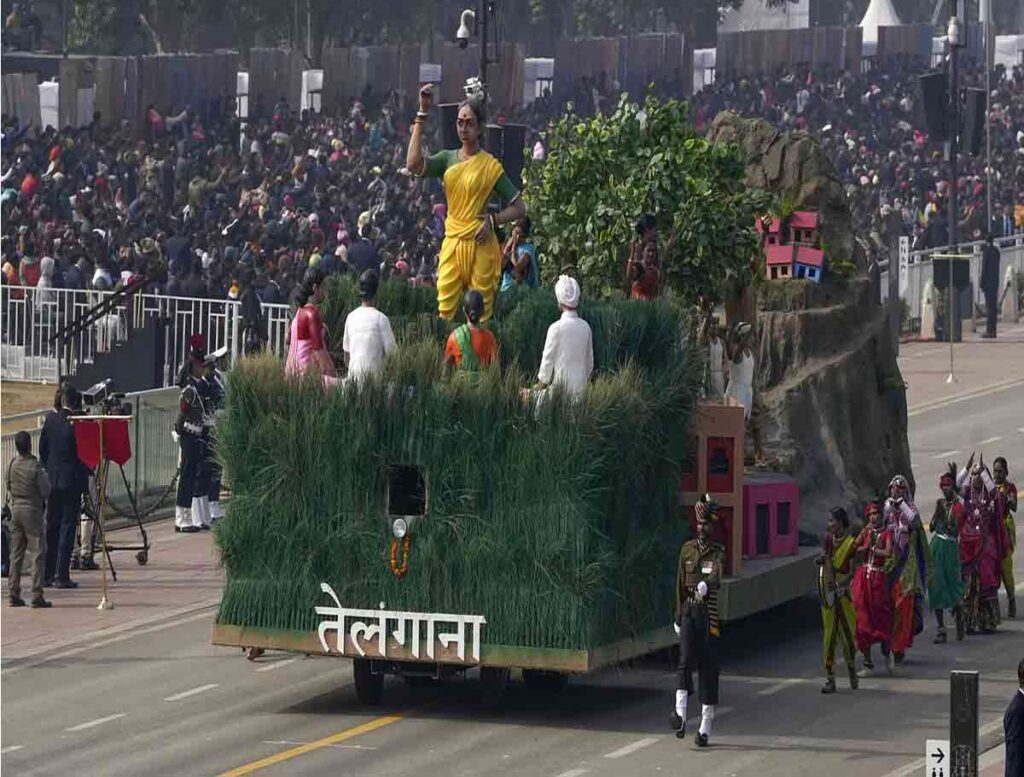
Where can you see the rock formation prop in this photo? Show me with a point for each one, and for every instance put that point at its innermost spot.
(832, 399)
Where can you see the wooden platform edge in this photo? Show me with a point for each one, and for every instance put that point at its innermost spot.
(754, 592)
(514, 656)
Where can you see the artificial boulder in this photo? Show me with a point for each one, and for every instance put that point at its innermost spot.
(793, 166)
(831, 396)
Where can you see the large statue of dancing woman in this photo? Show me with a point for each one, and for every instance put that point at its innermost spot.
(470, 256)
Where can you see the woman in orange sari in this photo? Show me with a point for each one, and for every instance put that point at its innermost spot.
(470, 256)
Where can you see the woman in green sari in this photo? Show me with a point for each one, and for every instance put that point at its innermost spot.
(838, 617)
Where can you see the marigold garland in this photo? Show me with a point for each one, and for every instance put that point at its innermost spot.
(396, 570)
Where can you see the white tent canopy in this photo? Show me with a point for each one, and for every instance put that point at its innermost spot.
(880, 13)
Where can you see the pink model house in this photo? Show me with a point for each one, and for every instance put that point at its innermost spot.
(771, 515)
(793, 252)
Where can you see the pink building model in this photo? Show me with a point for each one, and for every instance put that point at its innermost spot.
(771, 515)
(793, 252)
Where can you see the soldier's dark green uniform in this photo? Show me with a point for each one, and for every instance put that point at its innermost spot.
(696, 617)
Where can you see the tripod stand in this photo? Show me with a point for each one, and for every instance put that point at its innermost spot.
(90, 514)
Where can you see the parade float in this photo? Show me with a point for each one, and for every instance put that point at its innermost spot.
(426, 523)
(422, 523)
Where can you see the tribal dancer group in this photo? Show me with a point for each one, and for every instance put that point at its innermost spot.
(873, 586)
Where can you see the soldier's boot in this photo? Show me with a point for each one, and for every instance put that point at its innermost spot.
(677, 720)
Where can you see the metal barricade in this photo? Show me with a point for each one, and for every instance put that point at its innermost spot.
(920, 269)
(30, 317)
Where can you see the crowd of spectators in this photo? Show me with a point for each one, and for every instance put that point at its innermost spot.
(872, 127)
(206, 206)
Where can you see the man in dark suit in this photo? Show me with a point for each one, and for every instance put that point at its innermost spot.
(1013, 728)
(68, 479)
(989, 283)
(1002, 222)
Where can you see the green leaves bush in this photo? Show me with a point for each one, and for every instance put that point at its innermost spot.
(603, 173)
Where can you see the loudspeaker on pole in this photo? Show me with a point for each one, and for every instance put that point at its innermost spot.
(974, 121)
(449, 130)
(935, 99)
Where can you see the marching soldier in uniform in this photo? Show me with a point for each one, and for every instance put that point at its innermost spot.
(699, 576)
(190, 432)
(213, 392)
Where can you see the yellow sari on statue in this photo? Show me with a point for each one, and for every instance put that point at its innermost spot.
(464, 264)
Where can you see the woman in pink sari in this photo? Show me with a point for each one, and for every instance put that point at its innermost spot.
(307, 349)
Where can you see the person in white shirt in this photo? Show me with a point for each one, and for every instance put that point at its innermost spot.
(716, 361)
(368, 336)
(568, 358)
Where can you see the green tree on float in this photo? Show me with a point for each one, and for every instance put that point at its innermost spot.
(603, 173)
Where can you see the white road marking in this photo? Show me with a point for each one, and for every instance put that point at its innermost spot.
(936, 404)
(192, 692)
(276, 665)
(990, 439)
(946, 455)
(774, 689)
(915, 766)
(631, 748)
(11, 749)
(96, 722)
(573, 773)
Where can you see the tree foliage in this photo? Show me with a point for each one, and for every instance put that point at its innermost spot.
(603, 173)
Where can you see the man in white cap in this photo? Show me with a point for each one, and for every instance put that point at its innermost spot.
(568, 356)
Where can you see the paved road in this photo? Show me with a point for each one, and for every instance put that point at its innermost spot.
(166, 702)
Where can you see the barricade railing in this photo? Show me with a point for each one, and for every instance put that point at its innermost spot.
(154, 464)
(920, 269)
(30, 317)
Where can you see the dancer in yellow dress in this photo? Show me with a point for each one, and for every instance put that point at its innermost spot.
(470, 256)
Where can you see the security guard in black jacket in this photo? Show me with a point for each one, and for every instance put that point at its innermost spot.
(189, 513)
(699, 576)
(213, 392)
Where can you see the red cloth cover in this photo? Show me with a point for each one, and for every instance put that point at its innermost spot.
(117, 446)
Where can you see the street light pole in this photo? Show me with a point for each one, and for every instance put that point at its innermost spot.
(953, 40)
(481, 14)
(987, 6)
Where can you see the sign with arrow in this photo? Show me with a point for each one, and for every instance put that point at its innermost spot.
(936, 758)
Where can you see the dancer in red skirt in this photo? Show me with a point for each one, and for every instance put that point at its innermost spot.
(872, 598)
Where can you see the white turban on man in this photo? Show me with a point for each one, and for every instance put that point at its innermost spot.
(567, 291)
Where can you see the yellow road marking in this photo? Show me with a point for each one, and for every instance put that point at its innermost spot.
(333, 739)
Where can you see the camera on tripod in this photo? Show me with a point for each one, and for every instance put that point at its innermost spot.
(101, 399)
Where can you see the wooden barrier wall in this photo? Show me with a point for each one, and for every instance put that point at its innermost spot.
(575, 59)
(905, 42)
(121, 88)
(21, 99)
(274, 73)
(505, 77)
(349, 71)
(659, 57)
(766, 51)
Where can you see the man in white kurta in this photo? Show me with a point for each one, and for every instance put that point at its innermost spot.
(568, 358)
(368, 336)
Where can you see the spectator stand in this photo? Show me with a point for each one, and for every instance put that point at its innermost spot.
(32, 317)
